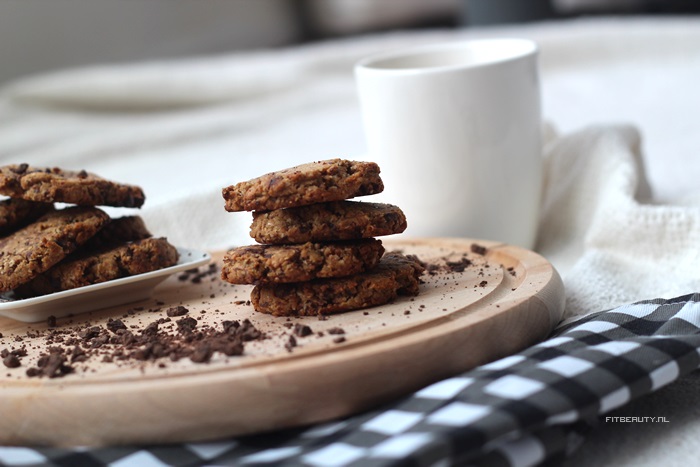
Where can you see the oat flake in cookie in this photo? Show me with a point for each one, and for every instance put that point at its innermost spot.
(315, 182)
(395, 275)
(260, 264)
(35, 248)
(323, 222)
(50, 185)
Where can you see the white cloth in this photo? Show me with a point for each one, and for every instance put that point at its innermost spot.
(609, 246)
(183, 130)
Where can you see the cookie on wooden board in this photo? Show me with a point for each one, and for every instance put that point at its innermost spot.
(260, 264)
(323, 222)
(395, 275)
(35, 248)
(52, 184)
(315, 182)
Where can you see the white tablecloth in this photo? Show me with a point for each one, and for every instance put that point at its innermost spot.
(183, 130)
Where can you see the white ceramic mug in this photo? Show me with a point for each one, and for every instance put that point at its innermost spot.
(455, 129)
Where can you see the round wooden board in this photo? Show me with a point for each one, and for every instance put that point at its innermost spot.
(502, 302)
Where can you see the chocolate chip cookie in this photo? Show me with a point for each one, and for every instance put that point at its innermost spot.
(16, 213)
(120, 230)
(395, 275)
(338, 220)
(33, 249)
(315, 182)
(261, 264)
(88, 268)
(50, 185)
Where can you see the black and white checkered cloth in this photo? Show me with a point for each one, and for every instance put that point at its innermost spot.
(521, 410)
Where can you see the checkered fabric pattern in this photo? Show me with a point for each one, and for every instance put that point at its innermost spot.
(522, 410)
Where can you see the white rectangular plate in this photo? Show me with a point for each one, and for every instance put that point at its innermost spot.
(97, 296)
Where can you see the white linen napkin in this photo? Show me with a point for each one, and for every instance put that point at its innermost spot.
(610, 247)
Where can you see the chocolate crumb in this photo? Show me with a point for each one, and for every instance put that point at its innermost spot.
(52, 365)
(291, 343)
(478, 249)
(152, 329)
(177, 311)
(202, 353)
(336, 330)
(11, 361)
(51, 321)
(459, 266)
(78, 355)
(483, 284)
(186, 324)
(248, 332)
(339, 340)
(302, 330)
(89, 333)
(115, 325)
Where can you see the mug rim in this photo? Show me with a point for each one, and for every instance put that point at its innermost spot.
(371, 63)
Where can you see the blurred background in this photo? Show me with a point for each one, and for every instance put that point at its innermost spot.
(42, 35)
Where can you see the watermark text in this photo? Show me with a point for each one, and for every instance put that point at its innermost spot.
(636, 420)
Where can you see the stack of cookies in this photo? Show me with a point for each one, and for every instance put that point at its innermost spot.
(44, 249)
(317, 253)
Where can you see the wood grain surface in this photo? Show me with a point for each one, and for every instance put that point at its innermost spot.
(502, 302)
